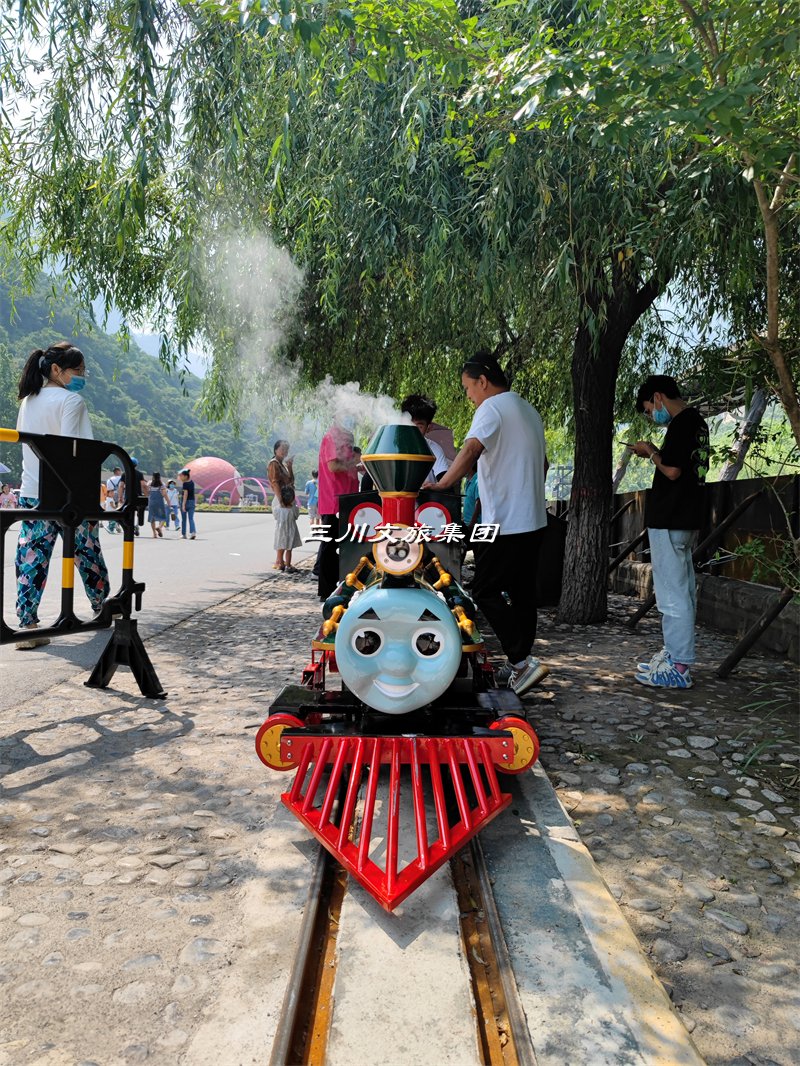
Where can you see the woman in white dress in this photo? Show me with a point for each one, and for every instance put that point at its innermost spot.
(284, 507)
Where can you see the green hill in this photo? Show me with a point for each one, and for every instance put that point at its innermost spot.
(132, 400)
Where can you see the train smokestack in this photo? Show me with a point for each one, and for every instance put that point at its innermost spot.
(398, 459)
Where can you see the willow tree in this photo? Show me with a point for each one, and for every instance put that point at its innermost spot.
(666, 107)
(385, 147)
(436, 218)
(723, 77)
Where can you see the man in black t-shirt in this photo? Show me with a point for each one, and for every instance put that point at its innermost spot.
(187, 504)
(673, 514)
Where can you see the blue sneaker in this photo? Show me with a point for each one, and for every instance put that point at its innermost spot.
(664, 674)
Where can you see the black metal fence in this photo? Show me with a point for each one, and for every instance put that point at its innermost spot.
(762, 509)
(69, 495)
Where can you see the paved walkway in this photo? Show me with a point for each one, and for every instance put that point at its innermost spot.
(688, 804)
(150, 883)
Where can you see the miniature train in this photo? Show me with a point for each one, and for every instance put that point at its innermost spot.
(417, 689)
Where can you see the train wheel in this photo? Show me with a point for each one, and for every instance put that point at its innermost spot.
(268, 740)
(526, 744)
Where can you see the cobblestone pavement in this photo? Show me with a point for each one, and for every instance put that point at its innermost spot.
(688, 804)
(141, 842)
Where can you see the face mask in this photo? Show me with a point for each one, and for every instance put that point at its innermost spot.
(75, 384)
(661, 416)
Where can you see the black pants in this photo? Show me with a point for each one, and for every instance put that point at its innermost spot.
(505, 589)
(328, 558)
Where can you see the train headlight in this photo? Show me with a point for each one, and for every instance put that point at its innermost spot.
(399, 551)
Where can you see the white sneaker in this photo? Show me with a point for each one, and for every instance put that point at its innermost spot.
(503, 675)
(529, 675)
(659, 658)
(665, 675)
(36, 642)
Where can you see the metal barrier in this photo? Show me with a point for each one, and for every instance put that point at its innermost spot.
(69, 478)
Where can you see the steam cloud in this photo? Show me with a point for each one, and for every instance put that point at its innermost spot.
(255, 288)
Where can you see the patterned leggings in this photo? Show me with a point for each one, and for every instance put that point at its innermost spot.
(34, 550)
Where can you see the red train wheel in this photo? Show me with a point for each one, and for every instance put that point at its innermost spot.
(526, 745)
(268, 740)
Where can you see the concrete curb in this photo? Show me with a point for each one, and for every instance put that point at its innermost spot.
(589, 992)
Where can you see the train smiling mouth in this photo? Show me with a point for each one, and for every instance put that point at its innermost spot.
(395, 691)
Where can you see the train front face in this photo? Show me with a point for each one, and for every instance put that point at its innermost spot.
(398, 649)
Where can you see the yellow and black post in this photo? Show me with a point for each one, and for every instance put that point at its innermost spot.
(69, 475)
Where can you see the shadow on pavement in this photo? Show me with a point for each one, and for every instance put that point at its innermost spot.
(43, 755)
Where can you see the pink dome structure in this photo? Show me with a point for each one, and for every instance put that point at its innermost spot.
(208, 471)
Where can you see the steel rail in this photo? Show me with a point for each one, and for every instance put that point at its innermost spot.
(306, 943)
(295, 1009)
(523, 1046)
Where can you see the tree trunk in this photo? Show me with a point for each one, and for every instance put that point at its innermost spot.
(595, 363)
(584, 595)
(755, 412)
(786, 389)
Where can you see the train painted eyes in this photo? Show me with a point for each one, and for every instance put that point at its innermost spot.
(366, 641)
(425, 642)
(428, 643)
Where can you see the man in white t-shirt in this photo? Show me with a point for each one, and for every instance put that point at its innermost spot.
(112, 490)
(422, 409)
(112, 485)
(506, 439)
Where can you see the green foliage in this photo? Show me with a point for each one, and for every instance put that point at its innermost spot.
(131, 400)
(722, 84)
(394, 149)
(226, 508)
(526, 176)
(775, 561)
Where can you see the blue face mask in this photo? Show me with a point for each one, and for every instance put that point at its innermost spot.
(75, 384)
(661, 416)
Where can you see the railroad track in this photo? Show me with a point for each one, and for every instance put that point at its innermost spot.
(433, 981)
(501, 1036)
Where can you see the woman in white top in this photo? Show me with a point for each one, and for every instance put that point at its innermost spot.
(280, 472)
(173, 504)
(49, 403)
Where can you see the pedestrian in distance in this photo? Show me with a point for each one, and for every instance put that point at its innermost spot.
(50, 402)
(7, 497)
(312, 491)
(673, 515)
(112, 497)
(337, 476)
(141, 493)
(187, 503)
(173, 504)
(110, 506)
(280, 473)
(112, 485)
(506, 439)
(157, 504)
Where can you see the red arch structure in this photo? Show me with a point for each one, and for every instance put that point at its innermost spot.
(239, 483)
